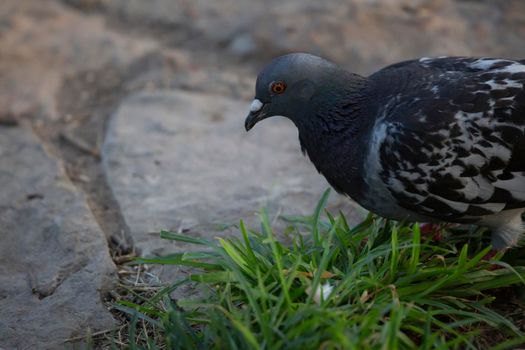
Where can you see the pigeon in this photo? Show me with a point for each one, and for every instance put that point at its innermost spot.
(429, 140)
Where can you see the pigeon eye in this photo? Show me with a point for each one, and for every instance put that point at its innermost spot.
(278, 87)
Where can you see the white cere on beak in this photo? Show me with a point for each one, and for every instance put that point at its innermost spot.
(256, 106)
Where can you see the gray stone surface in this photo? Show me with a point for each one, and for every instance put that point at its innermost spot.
(54, 261)
(178, 160)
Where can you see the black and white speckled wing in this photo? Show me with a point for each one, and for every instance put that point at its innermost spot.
(455, 64)
(452, 141)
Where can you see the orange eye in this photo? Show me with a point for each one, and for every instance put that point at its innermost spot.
(278, 87)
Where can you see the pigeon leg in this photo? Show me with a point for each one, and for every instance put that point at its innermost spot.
(490, 255)
(437, 230)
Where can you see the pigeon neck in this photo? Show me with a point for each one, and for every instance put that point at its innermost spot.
(337, 109)
(337, 129)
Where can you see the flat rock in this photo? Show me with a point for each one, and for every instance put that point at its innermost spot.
(183, 161)
(54, 261)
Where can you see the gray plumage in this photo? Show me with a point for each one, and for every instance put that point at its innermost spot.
(430, 140)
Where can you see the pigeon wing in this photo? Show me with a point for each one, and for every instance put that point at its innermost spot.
(454, 141)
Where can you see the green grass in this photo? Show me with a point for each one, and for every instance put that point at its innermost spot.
(392, 289)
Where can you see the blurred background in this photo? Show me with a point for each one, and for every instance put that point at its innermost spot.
(133, 111)
(218, 46)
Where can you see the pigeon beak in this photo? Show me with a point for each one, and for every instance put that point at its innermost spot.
(258, 112)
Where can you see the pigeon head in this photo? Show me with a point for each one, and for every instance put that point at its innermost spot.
(286, 85)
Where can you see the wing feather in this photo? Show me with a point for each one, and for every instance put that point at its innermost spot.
(456, 137)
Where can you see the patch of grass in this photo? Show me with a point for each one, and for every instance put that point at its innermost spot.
(379, 285)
